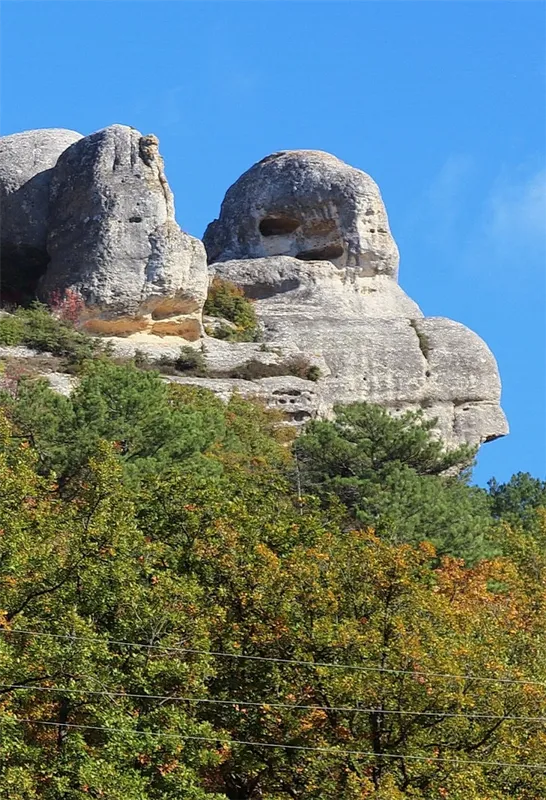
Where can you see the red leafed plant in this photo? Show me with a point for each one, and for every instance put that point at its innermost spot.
(67, 306)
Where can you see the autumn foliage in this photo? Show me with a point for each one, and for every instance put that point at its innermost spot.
(206, 619)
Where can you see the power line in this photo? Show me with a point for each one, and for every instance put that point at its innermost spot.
(329, 750)
(295, 662)
(260, 704)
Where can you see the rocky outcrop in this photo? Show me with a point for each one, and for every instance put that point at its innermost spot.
(376, 344)
(303, 234)
(114, 242)
(307, 204)
(307, 238)
(26, 167)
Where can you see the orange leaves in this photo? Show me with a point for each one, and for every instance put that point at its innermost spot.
(169, 766)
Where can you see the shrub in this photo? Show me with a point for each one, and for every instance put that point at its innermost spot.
(298, 366)
(142, 360)
(228, 301)
(67, 306)
(224, 332)
(313, 373)
(301, 368)
(190, 360)
(35, 327)
(424, 344)
(12, 331)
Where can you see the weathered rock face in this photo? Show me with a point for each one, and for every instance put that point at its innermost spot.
(307, 204)
(26, 166)
(343, 308)
(114, 242)
(306, 237)
(376, 344)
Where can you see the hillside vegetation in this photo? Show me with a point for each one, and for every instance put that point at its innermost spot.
(195, 605)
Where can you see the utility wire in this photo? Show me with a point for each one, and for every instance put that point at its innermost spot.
(261, 704)
(329, 750)
(296, 662)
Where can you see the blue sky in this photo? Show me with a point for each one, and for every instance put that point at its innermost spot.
(443, 103)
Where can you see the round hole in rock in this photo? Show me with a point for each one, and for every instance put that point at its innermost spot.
(278, 226)
(326, 253)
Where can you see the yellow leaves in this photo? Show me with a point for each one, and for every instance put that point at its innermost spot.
(267, 555)
(428, 550)
(223, 752)
(313, 720)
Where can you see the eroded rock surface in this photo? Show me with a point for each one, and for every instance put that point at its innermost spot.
(26, 167)
(307, 204)
(305, 236)
(114, 242)
(275, 238)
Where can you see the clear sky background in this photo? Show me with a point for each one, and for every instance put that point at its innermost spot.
(443, 103)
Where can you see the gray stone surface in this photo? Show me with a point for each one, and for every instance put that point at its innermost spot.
(114, 241)
(299, 399)
(26, 162)
(284, 285)
(61, 382)
(307, 204)
(373, 344)
(307, 238)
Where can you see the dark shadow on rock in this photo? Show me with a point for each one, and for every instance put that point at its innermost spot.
(23, 240)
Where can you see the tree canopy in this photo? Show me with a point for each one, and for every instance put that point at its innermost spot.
(194, 605)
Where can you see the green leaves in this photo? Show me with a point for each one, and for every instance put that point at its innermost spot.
(392, 475)
(128, 407)
(35, 327)
(169, 591)
(228, 301)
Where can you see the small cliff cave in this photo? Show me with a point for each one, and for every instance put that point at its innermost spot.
(20, 270)
(278, 226)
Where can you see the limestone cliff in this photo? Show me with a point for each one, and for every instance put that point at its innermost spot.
(314, 249)
(303, 234)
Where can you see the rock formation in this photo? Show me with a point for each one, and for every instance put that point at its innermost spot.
(26, 167)
(303, 234)
(307, 238)
(113, 239)
(306, 204)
